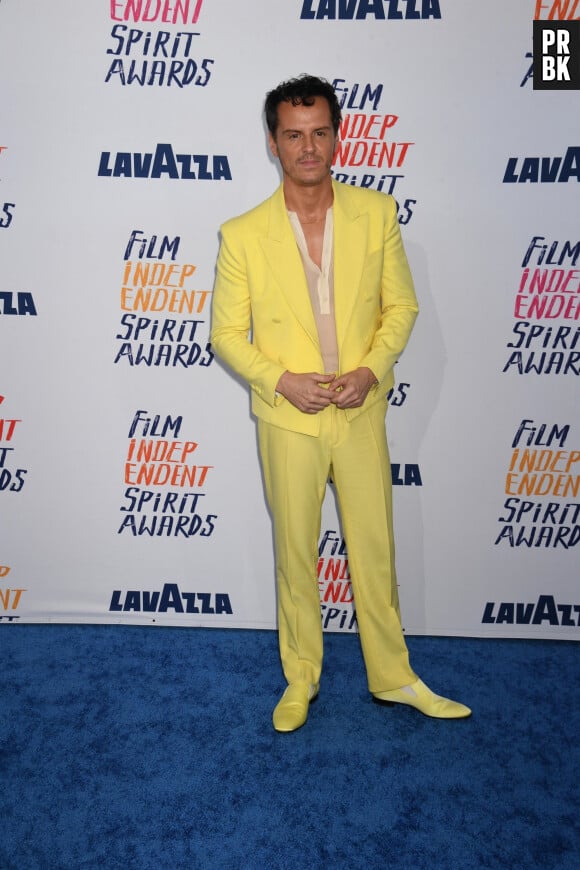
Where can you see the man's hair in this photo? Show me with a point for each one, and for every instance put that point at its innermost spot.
(301, 91)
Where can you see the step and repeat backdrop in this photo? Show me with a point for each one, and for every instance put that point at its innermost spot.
(130, 488)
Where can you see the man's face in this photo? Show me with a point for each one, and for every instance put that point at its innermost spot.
(305, 142)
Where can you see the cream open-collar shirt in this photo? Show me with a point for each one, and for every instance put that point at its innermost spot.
(321, 287)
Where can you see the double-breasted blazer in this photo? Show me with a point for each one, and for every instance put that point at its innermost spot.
(262, 318)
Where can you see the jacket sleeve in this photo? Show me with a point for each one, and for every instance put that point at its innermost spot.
(399, 307)
(232, 320)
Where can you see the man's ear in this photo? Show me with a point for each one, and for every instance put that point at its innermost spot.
(272, 144)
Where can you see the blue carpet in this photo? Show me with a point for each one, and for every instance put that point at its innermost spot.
(130, 747)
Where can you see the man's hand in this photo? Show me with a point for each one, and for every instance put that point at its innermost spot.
(350, 390)
(304, 392)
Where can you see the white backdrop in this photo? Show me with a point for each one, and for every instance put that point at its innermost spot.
(130, 488)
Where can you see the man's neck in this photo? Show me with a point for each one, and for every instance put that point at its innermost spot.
(309, 202)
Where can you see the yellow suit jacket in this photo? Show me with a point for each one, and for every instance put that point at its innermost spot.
(262, 318)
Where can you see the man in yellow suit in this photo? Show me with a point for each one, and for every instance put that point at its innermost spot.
(313, 304)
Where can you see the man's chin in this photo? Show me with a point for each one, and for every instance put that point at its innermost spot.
(312, 179)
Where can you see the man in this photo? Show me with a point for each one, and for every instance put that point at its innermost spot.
(318, 275)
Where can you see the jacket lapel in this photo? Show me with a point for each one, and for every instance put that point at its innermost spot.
(285, 264)
(350, 243)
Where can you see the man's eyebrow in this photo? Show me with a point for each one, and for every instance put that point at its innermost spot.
(315, 130)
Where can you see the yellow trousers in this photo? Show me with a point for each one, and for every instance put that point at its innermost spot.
(296, 469)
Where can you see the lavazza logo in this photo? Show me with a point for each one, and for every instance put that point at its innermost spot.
(164, 162)
(544, 610)
(378, 9)
(170, 598)
(551, 169)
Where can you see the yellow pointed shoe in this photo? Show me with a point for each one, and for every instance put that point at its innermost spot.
(291, 710)
(421, 697)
